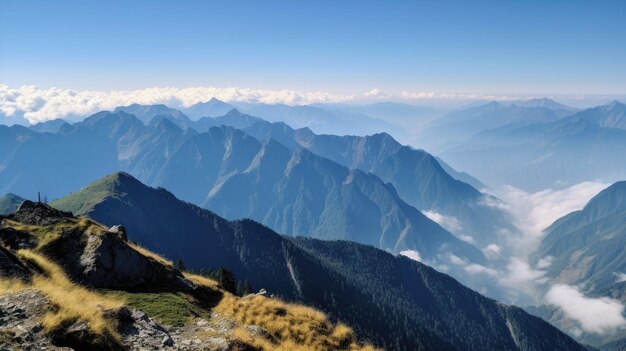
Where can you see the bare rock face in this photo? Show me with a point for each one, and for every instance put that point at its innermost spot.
(109, 262)
(20, 322)
(36, 213)
(106, 261)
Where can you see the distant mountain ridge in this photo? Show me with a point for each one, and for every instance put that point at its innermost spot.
(452, 129)
(146, 113)
(586, 248)
(295, 190)
(211, 108)
(583, 146)
(10, 203)
(417, 176)
(540, 102)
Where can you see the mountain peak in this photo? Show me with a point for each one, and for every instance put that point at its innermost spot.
(165, 122)
(544, 102)
(234, 112)
(212, 108)
(9, 203)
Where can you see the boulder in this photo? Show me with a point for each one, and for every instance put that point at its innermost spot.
(103, 260)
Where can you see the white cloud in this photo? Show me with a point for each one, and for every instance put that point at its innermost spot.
(39, 104)
(450, 223)
(534, 212)
(412, 254)
(472, 268)
(454, 259)
(520, 276)
(492, 251)
(621, 277)
(475, 268)
(375, 93)
(545, 262)
(595, 315)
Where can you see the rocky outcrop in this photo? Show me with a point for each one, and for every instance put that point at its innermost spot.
(21, 329)
(107, 261)
(20, 322)
(104, 260)
(37, 213)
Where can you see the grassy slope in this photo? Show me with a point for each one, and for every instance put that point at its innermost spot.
(82, 201)
(292, 327)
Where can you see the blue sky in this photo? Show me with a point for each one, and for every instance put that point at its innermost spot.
(523, 47)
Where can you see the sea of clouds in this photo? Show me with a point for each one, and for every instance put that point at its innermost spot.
(36, 104)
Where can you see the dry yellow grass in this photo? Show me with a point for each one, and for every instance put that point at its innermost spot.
(48, 233)
(151, 254)
(10, 286)
(72, 301)
(201, 280)
(294, 327)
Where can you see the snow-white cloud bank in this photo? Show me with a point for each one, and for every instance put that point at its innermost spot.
(534, 212)
(595, 315)
(37, 104)
(412, 254)
(450, 223)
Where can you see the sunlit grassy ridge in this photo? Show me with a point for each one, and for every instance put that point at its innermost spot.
(151, 254)
(45, 234)
(97, 191)
(293, 327)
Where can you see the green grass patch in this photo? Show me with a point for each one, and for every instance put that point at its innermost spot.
(169, 308)
(81, 202)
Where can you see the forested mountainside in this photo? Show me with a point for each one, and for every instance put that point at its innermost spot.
(395, 302)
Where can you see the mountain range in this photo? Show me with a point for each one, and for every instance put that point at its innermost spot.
(418, 177)
(294, 191)
(550, 152)
(394, 301)
(585, 249)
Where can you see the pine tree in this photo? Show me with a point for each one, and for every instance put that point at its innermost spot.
(240, 288)
(244, 288)
(247, 288)
(179, 264)
(226, 279)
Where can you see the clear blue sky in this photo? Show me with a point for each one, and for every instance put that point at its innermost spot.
(334, 46)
